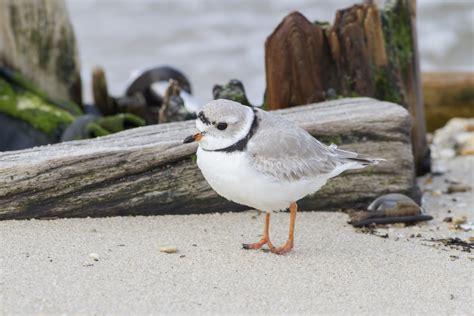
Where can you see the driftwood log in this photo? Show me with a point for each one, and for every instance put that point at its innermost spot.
(366, 52)
(148, 170)
(447, 95)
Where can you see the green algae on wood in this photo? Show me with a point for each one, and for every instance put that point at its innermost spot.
(398, 33)
(28, 107)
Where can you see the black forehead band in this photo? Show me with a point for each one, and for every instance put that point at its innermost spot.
(203, 118)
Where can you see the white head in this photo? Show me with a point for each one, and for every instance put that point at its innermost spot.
(222, 123)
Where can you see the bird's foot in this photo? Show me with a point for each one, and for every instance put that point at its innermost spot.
(286, 248)
(256, 245)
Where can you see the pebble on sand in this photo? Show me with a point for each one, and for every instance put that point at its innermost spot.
(168, 249)
(94, 256)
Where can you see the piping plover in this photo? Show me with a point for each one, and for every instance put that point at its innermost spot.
(261, 160)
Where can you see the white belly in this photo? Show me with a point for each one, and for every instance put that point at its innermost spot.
(232, 176)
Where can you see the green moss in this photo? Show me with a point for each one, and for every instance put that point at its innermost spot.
(234, 90)
(32, 109)
(120, 122)
(385, 87)
(396, 22)
(322, 24)
(95, 130)
(24, 84)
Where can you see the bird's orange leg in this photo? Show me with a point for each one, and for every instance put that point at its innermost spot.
(289, 244)
(265, 239)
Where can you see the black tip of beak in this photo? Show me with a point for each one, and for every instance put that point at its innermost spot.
(189, 139)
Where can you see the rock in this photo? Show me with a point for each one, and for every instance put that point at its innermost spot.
(91, 126)
(456, 137)
(391, 208)
(390, 201)
(16, 134)
(168, 249)
(467, 226)
(94, 256)
(37, 39)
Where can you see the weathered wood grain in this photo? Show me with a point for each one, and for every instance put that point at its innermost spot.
(148, 170)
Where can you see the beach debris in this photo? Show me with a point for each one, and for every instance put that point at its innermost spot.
(467, 227)
(152, 82)
(389, 209)
(460, 223)
(459, 220)
(455, 138)
(458, 187)
(144, 95)
(94, 256)
(454, 243)
(372, 230)
(172, 109)
(234, 90)
(168, 249)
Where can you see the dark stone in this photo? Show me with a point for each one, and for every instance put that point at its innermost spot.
(16, 135)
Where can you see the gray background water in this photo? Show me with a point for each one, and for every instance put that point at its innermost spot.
(213, 41)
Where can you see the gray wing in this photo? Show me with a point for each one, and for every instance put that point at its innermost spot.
(285, 151)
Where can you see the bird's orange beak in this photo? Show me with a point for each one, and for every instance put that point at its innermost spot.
(192, 138)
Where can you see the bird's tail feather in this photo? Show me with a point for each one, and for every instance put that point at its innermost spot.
(366, 161)
(350, 156)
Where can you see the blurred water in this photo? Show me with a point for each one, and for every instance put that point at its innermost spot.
(213, 41)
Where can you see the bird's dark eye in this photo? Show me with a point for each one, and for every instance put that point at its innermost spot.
(221, 126)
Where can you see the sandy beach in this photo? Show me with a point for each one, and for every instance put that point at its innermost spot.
(47, 267)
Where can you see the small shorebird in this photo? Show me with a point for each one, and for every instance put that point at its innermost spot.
(261, 160)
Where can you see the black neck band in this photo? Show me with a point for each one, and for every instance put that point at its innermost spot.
(241, 144)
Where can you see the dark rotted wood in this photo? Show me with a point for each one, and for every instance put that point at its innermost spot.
(292, 63)
(100, 92)
(149, 170)
(366, 52)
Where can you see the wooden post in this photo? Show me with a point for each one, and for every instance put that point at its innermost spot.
(366, 52)
(37, 40)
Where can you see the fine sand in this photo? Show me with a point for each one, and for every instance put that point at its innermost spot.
(46, 267)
